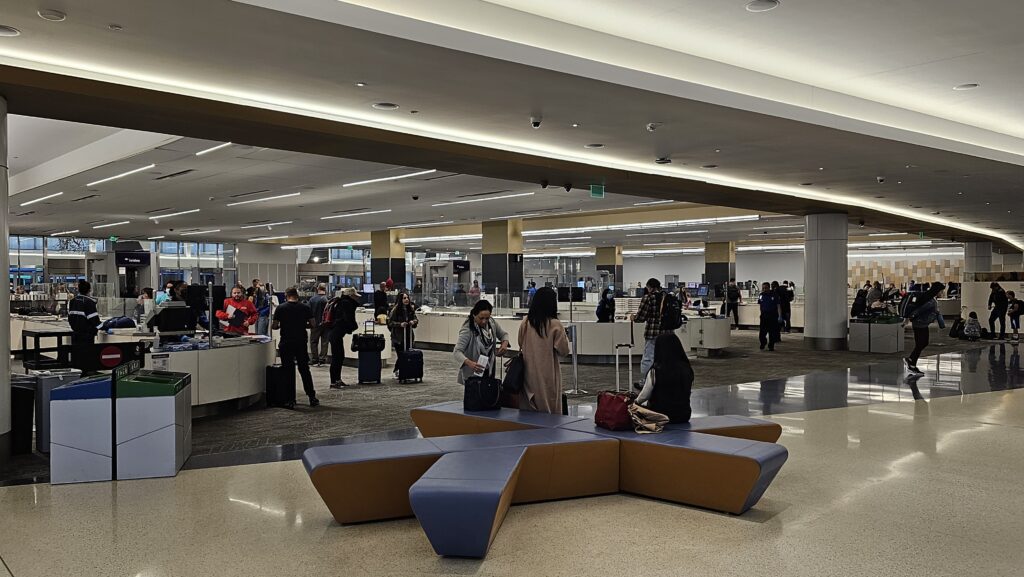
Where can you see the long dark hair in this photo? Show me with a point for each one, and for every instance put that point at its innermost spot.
(543, 308)
(480, 306)
(669, 356)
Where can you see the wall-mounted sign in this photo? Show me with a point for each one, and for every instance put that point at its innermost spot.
(132, 258)
(460, 266)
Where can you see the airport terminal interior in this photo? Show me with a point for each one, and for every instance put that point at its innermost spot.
(511, 287)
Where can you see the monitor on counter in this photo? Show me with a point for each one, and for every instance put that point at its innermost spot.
(702, 290)
(691, 285)
(368, 289)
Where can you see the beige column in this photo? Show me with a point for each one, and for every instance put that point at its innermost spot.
(387, 257)
(502, 261)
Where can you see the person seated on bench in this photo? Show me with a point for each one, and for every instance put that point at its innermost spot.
(667, 389)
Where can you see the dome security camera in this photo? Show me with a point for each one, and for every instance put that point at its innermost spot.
(535, 121)
(543, 184)
(652, 126)
(415, 197)
(880, 179)
(663, 160)
(568, 187)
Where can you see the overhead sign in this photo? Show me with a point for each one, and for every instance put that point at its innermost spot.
(460, 266)
(132, 258)
(596, 191)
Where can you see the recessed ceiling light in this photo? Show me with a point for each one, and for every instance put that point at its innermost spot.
(200, 232)
(593, 145)
(960, 193)
(821, 168)
(386, 178)
(414, 112)
(762, 5)
(111, 224)
(987, 203)
(968, 86)
(52, 15)
(710, 166)
(115, 27)
(663, 160)
(9, 32)
(122, 175)
(575, 125)
(718, 150)
(899, 182)
(173, 214)
(360, 84)
(385, 106)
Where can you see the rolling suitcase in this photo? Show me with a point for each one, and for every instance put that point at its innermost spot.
(368, 345)
(409, 366)
(280, 387)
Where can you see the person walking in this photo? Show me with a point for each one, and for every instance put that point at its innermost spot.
(998, 304)
(292, 318)
(733, 300)
(318, 334)
(668, 385)
(542, 342)
(480, 336)
(82, 316)
(768, 332)
(920, 318)
(649, 312)
(402, 321)
(606, 308)
(343, 323)
(1014, 308)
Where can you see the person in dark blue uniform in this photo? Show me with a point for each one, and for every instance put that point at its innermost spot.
(82, 316)
(771, 312)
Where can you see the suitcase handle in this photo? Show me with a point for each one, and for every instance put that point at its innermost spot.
(373, 327)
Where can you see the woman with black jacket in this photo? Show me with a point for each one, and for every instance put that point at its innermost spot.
(669, 382)
(344, 323)
(402, 320)
(606, 308)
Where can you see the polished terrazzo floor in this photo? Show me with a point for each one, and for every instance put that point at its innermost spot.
(906, 477)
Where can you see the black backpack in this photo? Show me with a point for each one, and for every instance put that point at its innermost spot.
(732, 293)
(671, 312)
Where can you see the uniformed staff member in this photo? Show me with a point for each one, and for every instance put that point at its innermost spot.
(82, 316)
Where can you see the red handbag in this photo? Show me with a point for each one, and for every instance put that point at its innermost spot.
(613, 411)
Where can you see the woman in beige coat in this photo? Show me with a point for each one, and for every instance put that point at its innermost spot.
(542, 342)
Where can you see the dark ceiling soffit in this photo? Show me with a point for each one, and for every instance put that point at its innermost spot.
(60, 97)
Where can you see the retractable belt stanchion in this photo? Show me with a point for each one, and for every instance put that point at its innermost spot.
(570, 332)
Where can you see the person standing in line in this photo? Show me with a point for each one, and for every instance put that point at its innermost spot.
(997, 303)
(780, 293)
(260, 298)
(542, 342)
(318, 334)
(474, 292)
(1014, 308)
(733, 300)
(244, 316)
(402, 321)
(479, 336)
(649, 312)
(380, 300)
(920, 318)
(292, 318)
(768, 301)
(82, 316)
(344, 323)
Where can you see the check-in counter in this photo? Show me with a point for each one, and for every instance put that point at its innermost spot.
(750, 315)
(220, 373)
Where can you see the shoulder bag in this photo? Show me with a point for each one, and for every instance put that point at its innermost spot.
(515, 375)
(646, 420)
(613, 411)
(482, 394)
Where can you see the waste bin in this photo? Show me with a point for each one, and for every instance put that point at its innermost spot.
(23, 392)
(81, 435)
(154, 424)
(46, 381)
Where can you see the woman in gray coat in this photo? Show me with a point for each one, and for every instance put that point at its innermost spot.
(479, 336)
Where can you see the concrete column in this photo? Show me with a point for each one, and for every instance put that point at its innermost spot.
(825, 272)
(387, 257)
(503, 256)
(977, 256)
(719, 265)
(5, 302)
(609, 260)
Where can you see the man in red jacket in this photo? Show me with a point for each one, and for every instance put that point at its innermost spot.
(238, 313)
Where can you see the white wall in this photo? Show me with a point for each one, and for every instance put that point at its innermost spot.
(689, 267)
(268, 263)
(771, 266)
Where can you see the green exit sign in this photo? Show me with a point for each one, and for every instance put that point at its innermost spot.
(596, 191)
(114, 238)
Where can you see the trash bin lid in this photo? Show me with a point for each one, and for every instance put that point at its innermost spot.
(19, 380)
(89, 388)
(57, 375)
(146, 383)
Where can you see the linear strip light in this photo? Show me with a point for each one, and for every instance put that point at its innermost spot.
(512, 216)
(663, 251)
(326, 245)
(888, 234)
(63, 232)
(268, 238)
(218, 147)
(290, 194)
(158, 217)
(155, 237)
(122, 175)
(777, 233)
(560, 238)
(41, 198)
(387, 178)
(442, 238)
(355, 214)
(667, 233)
(268, 224)
(644, 225)
(426, 224)
(896, 244)
(334, 232)
(557, 254)
(873, 254)
(112, 224)
(780, 227)
(484, 199)
(200, 232)
(652, 202)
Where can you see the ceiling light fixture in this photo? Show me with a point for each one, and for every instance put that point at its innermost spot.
(200, 232)
(667, 233)
(385, 106)
(593, 145)
(360, 84)
(218, 147)
(327, 245)
(781, 227)
(515, 216)
(115, 27)
(268, 238)
(9, 32)
(652, 202)
(644, 225)
(967, 86)
(351, 214)
(112, 224)
(387, 178)
(663, 251)
(557, 254)
(560, 238)
(268, 224)
(290, 194)
(122, 175)
(454, 237)
(155, 237)
(52, 15)
(889, 234)
(777, 233)
(425, 224)
(762, 5)
(333, 232)
(158, 217)
(484, 199)
(63, 232)
(710, 166)
(41, 198)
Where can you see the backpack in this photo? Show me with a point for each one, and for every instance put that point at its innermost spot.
(733, 293)
(671, 312)
(330, 313)
(909, 304)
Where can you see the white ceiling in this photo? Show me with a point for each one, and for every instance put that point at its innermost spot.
(38, 140)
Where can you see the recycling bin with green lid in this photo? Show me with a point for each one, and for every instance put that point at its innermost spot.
(154, 423)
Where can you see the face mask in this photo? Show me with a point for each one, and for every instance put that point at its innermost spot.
(610, 297)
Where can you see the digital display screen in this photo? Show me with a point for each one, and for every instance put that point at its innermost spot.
(702, 291)
(691, 285)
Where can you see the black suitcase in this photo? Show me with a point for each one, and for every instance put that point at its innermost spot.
(409, 365)
(957, 329)
(369, 367)
(280, 387)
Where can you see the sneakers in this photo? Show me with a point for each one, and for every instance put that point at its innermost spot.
(911, 367)
(314, 402)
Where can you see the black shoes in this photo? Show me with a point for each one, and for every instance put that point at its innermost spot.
(314, 402)
(338, 385)
(912, 367)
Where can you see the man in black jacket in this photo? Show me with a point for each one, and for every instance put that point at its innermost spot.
(82, 316)
(997, 303)
(292, 318)
(344, 323)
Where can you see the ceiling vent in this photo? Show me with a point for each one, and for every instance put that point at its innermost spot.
(159, 210)
(241, 194)
(351, 210)
(762, 5)
(175, 174)
(86, 197)
(476, 194)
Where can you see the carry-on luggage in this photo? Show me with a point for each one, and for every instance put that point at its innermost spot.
(482, 394)
(409, 366)
(957, 330)
(280, 387)
(368, 345)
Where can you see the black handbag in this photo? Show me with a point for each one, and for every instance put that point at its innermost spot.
(482, 394)
(515, 374)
